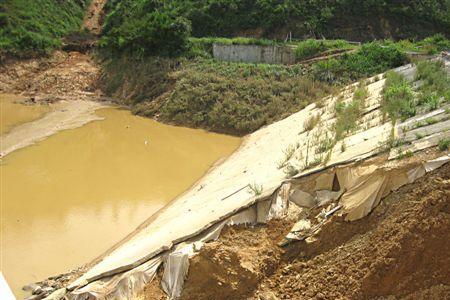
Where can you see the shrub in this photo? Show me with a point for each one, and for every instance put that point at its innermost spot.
(435, 83)
(434, 44)
(398, 98)
(369, 60)
(309, 48)
(361, 93)
(146, 28)
(347, 116)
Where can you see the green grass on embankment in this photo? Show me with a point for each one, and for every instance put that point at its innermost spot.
(31, 27)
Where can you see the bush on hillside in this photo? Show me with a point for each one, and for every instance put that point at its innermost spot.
(398, 98)
(370, 59)
(145, 28)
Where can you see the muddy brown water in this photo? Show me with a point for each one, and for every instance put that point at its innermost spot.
(70, 197)
(13, 113)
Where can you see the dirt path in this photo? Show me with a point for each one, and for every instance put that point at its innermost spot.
(399, 251)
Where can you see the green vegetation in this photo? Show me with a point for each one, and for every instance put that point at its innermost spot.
(256, 189)
(290, 170)
(310, 48)
(370, 59)
(419, 135)
(361, 93)
(435, 84)
(430, 45)
(311, 122)
(143, 28)
(35, 26)
(347, 114)
(316, 17)
(398, 99)
(325, 144)
(226, 97)
(444, 144)
(288, 154)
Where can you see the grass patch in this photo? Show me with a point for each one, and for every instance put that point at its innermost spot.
(368, 60)
(29, 27)
(238, 98)
(310, 48)
(444, 144)
(419, 135)
(435, 84)
(347, 116)
(325, 144)
(288, 154)
(311, 122)
(398, 99)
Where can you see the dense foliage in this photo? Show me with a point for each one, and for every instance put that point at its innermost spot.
(226, 97)
(367, 19)
(370, 59)
(35, 26)
(310, 48)
(401, 100)
(145, 28)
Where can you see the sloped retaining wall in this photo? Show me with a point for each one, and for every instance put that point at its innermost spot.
(254, 54)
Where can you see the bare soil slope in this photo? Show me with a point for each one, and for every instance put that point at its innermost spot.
(400, 251)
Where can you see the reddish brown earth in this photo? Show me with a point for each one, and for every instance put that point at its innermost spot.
(400, 251)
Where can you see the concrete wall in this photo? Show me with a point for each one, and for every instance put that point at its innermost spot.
(254, 54)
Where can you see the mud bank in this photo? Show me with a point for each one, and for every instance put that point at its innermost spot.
(63, 115)
(62, 75)
(398, 252)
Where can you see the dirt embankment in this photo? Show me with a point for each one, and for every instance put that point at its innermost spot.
(400, 251)
(63, 75)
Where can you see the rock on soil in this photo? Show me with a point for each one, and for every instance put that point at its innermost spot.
(400, 251)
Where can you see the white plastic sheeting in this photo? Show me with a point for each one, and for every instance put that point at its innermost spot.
(363, 187)
(121, 286)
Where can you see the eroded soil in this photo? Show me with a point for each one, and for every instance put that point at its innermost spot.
(400, 251)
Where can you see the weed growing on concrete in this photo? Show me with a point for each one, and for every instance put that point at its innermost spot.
(311, 122)
(444, 144)
(290, 170)
(398, 99)
(256, 189)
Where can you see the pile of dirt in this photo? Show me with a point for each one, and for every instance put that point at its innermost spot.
(399, 251)
(62, 75)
